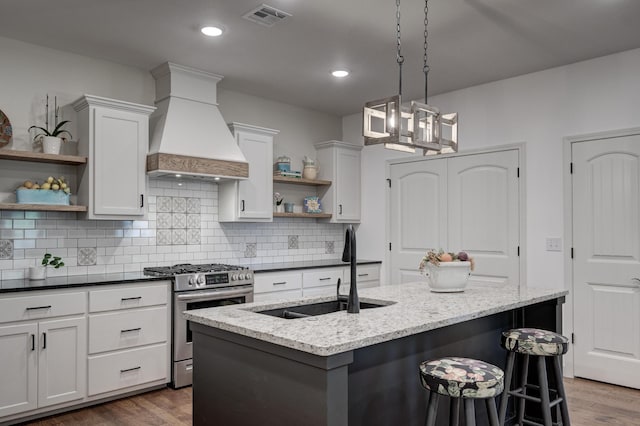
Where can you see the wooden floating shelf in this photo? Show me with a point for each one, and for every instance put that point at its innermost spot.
(42, 207)
(301, 181)
(39, 157)
(313, 215)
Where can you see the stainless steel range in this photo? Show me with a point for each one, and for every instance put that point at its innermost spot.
(197, 287)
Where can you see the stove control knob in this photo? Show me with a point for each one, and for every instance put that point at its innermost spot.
(192, 281)
(242, 277)
(201, 280)
(234, 277)
(248, 275)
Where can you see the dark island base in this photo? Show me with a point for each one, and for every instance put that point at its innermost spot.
(243, 381)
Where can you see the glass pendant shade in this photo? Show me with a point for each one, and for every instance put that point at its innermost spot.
(382, 124)
(449, 132)
(426, 127)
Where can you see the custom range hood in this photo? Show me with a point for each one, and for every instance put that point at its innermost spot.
(189, 137)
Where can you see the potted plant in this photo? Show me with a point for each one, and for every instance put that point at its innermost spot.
(51, 139)
(446, 272)
(278, 198)
(40, 272)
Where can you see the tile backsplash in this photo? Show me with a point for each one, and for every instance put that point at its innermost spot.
(182, 227)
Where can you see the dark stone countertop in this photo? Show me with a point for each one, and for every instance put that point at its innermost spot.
(290, 266)
(73, 281)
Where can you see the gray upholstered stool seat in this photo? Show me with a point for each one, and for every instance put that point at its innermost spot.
(540, 344)
(461, 379)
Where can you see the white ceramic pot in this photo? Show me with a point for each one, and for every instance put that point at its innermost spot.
(280, 208)
(448, 277)
(51, 144)
(310, 172)
(37, 272)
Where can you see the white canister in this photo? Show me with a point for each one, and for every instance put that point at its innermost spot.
(51, 144)
(37, 272)
(310, 172)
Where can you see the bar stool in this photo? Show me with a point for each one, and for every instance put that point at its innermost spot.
(539, 344)
(461, 379)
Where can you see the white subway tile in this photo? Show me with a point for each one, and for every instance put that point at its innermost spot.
(24, 244)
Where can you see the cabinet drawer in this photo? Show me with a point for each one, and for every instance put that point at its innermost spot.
(42, 306)
(364, 273)
(277, 295)
(321, 277)
(127, 329)
(127, 368)
(127, 297)
(265, 283)
(319, 291)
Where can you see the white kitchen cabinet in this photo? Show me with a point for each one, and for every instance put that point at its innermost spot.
(321, 281)
(339, 162)
(277, 285)
(43, 357)
(114, 136)
(129, 337)
(367, 276)
(250, 200)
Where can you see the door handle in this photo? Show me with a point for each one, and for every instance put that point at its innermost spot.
(340, 208)
(33, 342)
(141, 200)
(242, 205)
(44, 340)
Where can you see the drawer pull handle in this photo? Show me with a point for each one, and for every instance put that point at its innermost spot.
(280, 283)
(128, 330)
(189, 367)
(325, 279)
(363, 275)
(35, 308)
(124, 299)
(126, 370)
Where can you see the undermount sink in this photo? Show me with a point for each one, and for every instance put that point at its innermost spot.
(314, 309)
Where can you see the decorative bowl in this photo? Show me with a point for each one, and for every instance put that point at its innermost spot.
(448, 277)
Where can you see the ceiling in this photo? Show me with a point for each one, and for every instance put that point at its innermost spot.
(470, 41)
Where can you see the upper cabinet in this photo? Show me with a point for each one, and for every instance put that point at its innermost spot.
(114, 136)
(250, 200)
(339, 162)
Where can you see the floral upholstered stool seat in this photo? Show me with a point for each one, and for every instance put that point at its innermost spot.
(461, 379)
(542, 345)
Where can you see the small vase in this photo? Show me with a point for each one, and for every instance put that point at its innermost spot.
(37, 272)
(51, 144)
(279, 208)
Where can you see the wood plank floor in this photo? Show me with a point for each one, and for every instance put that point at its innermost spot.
(590, 404)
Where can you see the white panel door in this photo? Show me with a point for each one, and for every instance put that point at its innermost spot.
(120, 147)
(18, 368)
(62, 362)
(418, 210)
(606, 265)
(256, 193)
(483, 201)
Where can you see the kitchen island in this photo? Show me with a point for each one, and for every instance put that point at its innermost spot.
(355, 369)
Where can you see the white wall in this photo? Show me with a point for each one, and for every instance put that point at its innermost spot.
(30, 72)
(540, 109)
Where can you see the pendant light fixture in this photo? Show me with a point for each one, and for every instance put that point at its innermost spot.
(421, 126)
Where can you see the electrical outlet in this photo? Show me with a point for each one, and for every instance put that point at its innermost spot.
(554, 244)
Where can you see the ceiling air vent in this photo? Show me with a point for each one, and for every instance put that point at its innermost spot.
(266, 15)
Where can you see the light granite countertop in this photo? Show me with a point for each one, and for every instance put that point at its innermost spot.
(414, 310)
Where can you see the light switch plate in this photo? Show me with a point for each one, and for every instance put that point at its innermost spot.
(554, 244)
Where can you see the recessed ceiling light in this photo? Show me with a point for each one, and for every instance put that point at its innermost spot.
(340, 73)
(211, 31)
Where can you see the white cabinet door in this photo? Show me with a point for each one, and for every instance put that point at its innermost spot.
(114, 136)
(483, 218)
(418, 210)
(18, 368)
(250, 200)
(606, 264)
(120, 149)
(62, 361)
(339, 162)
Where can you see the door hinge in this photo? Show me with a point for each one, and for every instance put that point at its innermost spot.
(518, 172)
(389, 246)
(571, 168)
(572, 252)
(573, 338)
(518, 251)
(389, 182)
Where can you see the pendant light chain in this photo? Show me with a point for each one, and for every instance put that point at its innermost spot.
(425, 68)
(399, 57)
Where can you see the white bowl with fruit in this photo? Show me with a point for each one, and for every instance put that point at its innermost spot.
(446, 272)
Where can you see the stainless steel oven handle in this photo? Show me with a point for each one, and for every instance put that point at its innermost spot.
(212, 295)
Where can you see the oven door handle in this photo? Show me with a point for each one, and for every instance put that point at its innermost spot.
(212, 295)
